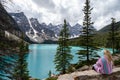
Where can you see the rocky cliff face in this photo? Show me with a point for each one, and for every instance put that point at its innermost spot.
(7, 23)
(40, 29)
(21, 20)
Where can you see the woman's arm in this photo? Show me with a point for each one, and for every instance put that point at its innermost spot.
(98, 66)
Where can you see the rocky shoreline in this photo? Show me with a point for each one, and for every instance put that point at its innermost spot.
(91, 75)
(86, 73)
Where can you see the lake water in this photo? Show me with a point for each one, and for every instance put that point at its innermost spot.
(41, 56)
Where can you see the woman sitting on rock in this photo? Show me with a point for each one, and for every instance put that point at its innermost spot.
(105, 64)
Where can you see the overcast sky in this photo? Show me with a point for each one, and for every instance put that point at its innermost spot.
(55, 11)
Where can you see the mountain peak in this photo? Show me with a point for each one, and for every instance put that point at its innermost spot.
(37, 31)
(77, 24)
(50, 24)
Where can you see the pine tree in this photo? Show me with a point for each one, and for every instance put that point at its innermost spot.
(86, 40)
(6, 66)
(113, 37)
(20, 71)
(50, 73)
(63, 56)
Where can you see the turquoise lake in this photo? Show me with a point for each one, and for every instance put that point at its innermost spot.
(41, 56)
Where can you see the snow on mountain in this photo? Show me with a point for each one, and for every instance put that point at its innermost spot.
(73, 30)
(32, 28)
(34, 36)
(21, 20)
(39, 32)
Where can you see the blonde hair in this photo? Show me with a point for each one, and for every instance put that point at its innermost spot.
(108, 55)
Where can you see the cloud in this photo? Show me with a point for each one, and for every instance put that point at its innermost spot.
(103, 12)
(55, 11)
(45, 3)
(70, 10)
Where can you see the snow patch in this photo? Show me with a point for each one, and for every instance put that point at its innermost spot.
(18, 22)
(42, 31)
(56, 35)
(13, 16)
(35, 32)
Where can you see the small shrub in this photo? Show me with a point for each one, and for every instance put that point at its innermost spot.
(52, 78)
(117, 62)
(71, 68)
(83, 63)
